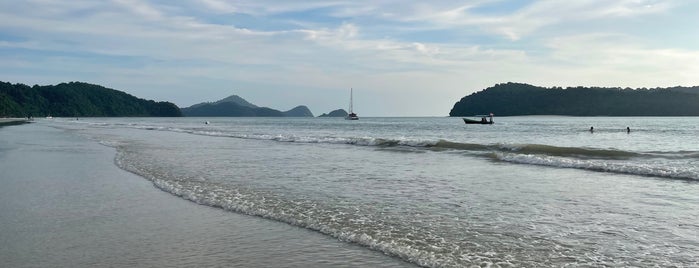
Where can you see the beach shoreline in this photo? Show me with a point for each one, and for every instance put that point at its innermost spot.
(293, 193)
(13, 121)
(66, 204)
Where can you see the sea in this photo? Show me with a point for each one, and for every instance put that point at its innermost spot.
(526, 191)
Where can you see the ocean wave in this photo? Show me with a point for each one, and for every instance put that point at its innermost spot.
(349, 226)
(594, 159)
(361, 141)
(675, 155)
(352, 226)
(569, 151)
(432, 144)
(540, 149)
(643, 168)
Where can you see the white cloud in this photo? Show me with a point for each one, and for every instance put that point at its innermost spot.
(530, 18)
(625, 60)
(163, 45)
(140, 8)
(219, 6)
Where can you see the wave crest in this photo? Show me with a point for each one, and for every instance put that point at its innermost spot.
(594, 159)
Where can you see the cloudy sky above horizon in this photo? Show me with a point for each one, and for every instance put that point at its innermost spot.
(403, 58)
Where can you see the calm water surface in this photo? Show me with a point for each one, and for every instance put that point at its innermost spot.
(526, 191)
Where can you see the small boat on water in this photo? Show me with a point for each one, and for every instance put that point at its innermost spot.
(351, 115)
(482, 121)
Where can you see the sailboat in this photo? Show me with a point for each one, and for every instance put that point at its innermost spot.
(351, 115)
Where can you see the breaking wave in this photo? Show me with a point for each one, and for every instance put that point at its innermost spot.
(357, 223)
(421, 143)
(593, 159)
(641, 168)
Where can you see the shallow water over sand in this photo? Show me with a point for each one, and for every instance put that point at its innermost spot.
(63, 203)
(526, 191)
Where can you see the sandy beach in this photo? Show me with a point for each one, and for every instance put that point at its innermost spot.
(63, 203)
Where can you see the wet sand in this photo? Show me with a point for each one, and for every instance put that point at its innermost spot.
(12, 121)
(63, 203)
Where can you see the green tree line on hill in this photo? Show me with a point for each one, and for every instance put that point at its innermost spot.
(76, 99)
(522, 99)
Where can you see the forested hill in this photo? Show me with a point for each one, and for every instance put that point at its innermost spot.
(523, 99)
(76, 99)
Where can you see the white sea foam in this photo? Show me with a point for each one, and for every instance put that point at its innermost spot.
(650, 168)
(534, 154)
(423, 230)
(351, 227)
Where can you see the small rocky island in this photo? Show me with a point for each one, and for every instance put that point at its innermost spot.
(335, 113)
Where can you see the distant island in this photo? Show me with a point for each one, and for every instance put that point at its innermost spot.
(236, 106)
(76, 99)
(522, 99)
(335, 113)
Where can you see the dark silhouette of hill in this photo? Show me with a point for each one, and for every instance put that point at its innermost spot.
(228, 109)
(76, 99)
(523, 99)
(236, 106)
(232, 98)
(299, 111)
(335, 113)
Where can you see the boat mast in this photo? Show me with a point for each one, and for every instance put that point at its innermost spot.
(350, 108)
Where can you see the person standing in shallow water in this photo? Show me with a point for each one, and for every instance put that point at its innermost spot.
(592, 129)
(628, 130)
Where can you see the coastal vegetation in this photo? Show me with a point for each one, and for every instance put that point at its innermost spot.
(76, 99)
(511, 99)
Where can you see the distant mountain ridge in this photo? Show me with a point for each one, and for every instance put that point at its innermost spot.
(235, 106)
(76, 99)
(232, 98)
(524, 99)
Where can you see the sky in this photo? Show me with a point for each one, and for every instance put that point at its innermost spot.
(401, 58)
